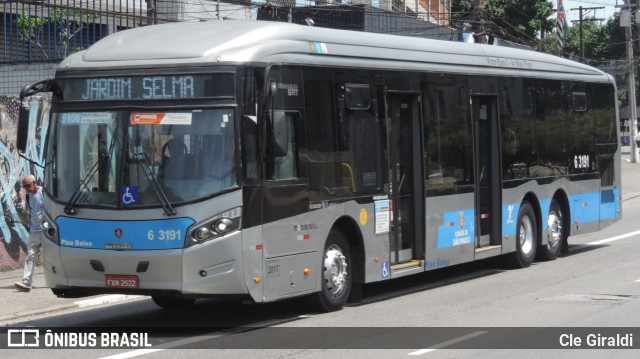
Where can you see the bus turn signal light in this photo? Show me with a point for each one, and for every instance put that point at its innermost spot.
(256, 280)
(307, 271)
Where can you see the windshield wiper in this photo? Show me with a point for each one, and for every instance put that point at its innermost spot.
(141, 161)
(103, 160)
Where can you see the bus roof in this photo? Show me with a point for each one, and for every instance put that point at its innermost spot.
(233, 42)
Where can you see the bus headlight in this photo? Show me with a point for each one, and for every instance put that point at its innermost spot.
(222, 225)
(215, 227)
(49, 230)
(201, 233)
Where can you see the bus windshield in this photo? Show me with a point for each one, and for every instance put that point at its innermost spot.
(135, 158)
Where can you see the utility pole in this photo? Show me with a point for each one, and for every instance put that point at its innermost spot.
(480, 31)
(633, 116)
(151, 12)
(581, 17)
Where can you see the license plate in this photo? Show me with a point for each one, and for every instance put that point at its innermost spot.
(121, 281)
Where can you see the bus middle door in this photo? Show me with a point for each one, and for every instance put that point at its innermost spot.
(406, 233)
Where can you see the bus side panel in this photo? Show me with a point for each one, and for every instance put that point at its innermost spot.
(450, 230)
(292, 244)
(585, 206)
(252, 255)
(374, 228)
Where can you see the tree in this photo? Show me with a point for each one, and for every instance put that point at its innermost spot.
(616, 38)
(521, 21)
(65, 24)
(601, 42)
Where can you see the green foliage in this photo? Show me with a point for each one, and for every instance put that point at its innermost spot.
(520, 21)
(526, 21)
(65, 23)
(623, 96)
(601, 42)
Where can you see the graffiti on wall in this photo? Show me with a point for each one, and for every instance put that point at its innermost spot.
(13, 229)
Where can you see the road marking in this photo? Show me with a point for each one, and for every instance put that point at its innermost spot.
(132, 354)
(164, 346)
(105, 299)
(448, 342)
(177, 343)
(607, 240)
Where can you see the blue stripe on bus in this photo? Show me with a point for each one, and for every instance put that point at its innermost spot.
(585, 207)
(123, 235)
(609, 204)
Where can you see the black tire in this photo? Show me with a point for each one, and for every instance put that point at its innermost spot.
(555, 233)
(335, 277)
(526, 237)
(172, 302)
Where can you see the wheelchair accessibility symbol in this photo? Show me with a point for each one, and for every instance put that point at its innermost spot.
(129, 195)
(385, 270)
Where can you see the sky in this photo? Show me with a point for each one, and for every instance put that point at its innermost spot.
(605, 13)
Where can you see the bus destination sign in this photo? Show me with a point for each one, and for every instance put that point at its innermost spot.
(156, 87)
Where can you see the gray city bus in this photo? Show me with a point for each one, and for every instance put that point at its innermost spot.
(264, 161)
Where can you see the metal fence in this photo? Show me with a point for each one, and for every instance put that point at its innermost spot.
(48, 31)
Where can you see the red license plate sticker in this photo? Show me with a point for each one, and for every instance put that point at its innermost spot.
(121, 281)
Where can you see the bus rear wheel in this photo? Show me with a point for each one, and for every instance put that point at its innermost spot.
(555, 233)
(172, 302)
(526, 237)
(336, 280)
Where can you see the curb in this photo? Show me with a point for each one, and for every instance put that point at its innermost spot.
(21, 315)
(106, 299)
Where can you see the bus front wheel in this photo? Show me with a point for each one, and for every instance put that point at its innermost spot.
(526, 237)
(336, 279)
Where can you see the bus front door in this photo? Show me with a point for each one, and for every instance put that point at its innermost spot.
(487, 153)
(406, 233)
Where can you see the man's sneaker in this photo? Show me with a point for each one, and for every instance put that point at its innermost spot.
(22, 286)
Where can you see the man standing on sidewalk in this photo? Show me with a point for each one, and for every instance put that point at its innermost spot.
(34, 243)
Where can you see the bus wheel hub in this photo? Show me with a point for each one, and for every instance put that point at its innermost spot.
(335, 270)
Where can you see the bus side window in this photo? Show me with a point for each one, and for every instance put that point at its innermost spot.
(285, 167)
(250, 147)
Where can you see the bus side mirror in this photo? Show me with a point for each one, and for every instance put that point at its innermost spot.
(23, 116)
(23, 127)
(280, 134)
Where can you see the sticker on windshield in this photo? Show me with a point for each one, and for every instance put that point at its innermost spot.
(129, 195)
(85, 118)
(161, 118)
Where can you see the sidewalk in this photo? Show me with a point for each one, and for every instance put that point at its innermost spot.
(19, 306)
(22, 306)
(630, 176)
